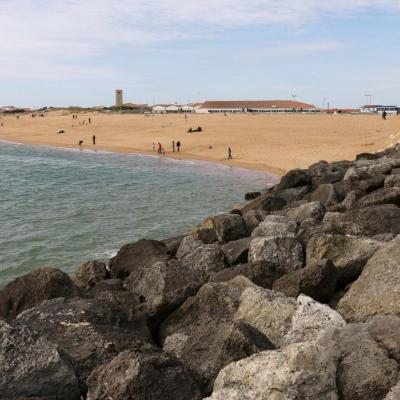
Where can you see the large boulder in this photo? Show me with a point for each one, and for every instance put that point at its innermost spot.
(260, 273)
(252, 219)
(325, 194)
(313, 209)
(269, 312)
(392, 181)
(164, 286)
(388, 195)
(136, 256)
(202, 333)
(294, 178)
(348, 253)
(204, 260)
(138, 375)
(188, 245)
(272, 203)
(87, 332)
(371, 184)
(272, 226)
(283, 252)
(365, 370)
(32, 367)
(376, 291)
(90, 273)
(299, 371)
(172, 244)
(317, 280)
(230, 227)
(394, 393)
(31, 289)
(236, 251)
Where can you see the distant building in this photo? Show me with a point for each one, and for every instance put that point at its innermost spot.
(119, 99)
(257, 106)
(379, 109)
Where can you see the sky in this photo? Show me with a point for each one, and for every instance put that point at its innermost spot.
(68, 52)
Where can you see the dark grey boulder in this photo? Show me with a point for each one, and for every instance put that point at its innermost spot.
(275, 225)
(293, 194)
(348, 253)
(371, 184)
(109, 284)
(252, 219)
(389, 195)
(376, 291)
(313, 209)
(172, 244)
(252, 195)
(31, 289)
(135, 256)
(206, 235)
(144, 376)
(89, 273)
(392, 181)
(325, 194)
(295, 178)
(188, 245)
(202, 333)
(87, 332)
(317, 281)
(272, 203)
(31, 367)
(229, 227)
(236, 251)
(260, 273)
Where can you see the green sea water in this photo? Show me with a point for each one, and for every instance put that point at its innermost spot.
(63, 207)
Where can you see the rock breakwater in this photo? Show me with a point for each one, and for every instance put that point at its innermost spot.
(294, 294)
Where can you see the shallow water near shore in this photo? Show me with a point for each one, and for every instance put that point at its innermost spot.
(63, 207)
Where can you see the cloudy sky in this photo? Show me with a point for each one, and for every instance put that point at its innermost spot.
(69, 52)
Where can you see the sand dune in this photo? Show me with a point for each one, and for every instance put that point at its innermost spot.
(273, 143)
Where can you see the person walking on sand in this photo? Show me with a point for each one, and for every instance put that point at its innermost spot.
(178, 145)
(90, 120)
(94, 139)
(173, 146)
(159, 148)
(80, 142)
(384, 115)
(229, 153)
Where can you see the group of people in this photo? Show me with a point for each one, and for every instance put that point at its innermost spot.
(93, 140)
(161, 150)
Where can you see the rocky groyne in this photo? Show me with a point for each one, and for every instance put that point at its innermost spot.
(294, 294)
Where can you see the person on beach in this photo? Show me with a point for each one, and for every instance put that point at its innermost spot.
(80, 142)
(173, 146)
(229, 153)
(384, 115)
(90, 121)
(178, 145)
(159, 148)
(94, 139)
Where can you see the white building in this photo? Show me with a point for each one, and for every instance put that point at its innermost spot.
(379, 109)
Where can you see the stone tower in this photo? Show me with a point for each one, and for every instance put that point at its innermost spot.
(119, 98)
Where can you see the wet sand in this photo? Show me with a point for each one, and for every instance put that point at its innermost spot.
(272, 143)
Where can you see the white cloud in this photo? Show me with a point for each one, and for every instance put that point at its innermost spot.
(62, 34)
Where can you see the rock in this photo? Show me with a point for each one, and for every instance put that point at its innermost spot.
(299, 371)
(267, 311)
(270, 228)
(109, 284)
(259, 273)
(32, 367)
(352, 199)
(364, 369)
(232, 394)
(351, 173)
(375, 220)
(236, 251)
(394, 393)
(206, 235)
(316, 280)
(389, 195)
(188, 245)
(204, 260)
(312, 322)
(331, 217)
(325, 194)
(229, 227)
(376, 291)
(87, 332)
(136, 256)
(172, 244)
(343, 188)
(372, 184)
(31, 289)
(137, 375)
(202, 333)
(283, 252)
(89, 273)
(295, 178)
(272, 203)
(313, 209)
(294, 194)
(252, 195)
(348, 253)
(392, 181)
(164, 286)
(252, 219)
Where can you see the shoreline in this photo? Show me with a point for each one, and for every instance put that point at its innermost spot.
(270, 172)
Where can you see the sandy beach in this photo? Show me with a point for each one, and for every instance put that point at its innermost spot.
(272, 143)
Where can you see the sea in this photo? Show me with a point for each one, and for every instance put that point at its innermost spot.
(62, 207)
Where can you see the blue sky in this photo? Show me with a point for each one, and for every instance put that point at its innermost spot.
(77, 52)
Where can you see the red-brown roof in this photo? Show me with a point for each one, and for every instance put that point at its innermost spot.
(254, 104)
